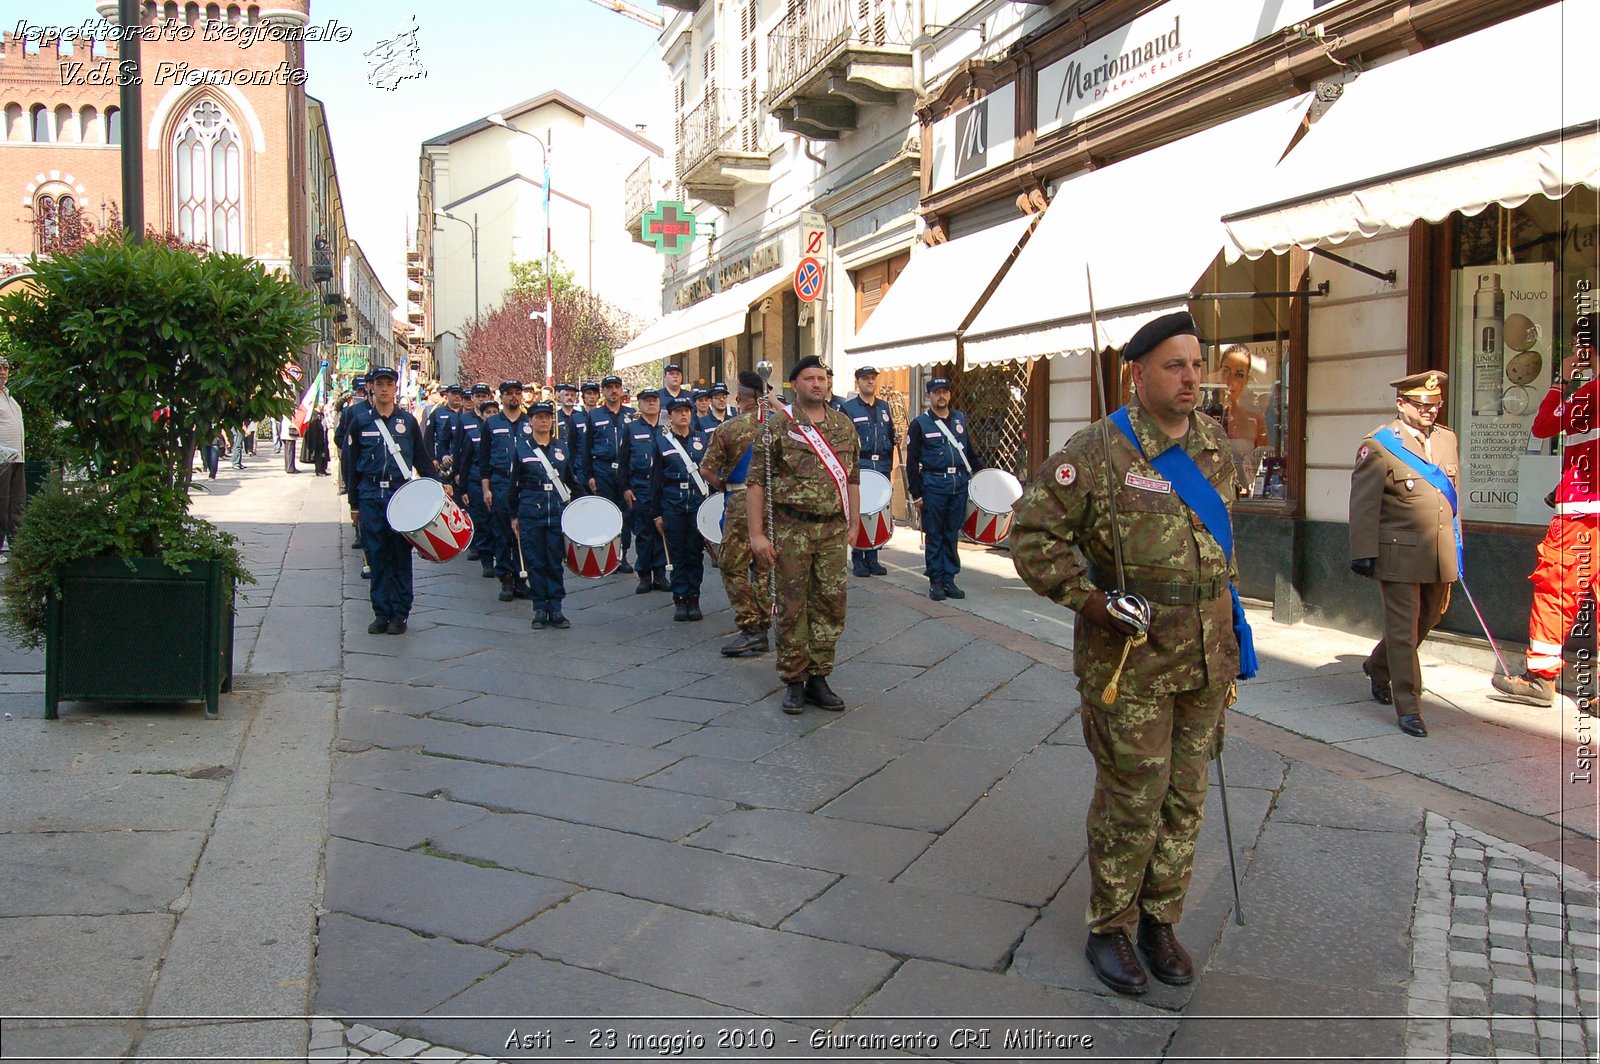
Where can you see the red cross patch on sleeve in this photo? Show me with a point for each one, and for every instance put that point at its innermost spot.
(1066, 474)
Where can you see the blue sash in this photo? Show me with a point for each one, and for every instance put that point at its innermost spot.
(1389, 441)
(1200, 496)
(741, 471)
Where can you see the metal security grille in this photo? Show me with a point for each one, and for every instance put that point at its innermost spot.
(995, 400)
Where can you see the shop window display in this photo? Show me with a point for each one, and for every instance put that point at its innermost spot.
(1247, 386)
(1518, 277)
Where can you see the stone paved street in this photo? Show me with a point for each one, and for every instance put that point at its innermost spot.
(482, 830)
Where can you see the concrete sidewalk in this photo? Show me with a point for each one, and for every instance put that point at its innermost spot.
(614, 821)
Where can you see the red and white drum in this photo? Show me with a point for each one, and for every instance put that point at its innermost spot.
(420, 511)
(990, 496)
(708, 519)
(877, 523)
(593, 529)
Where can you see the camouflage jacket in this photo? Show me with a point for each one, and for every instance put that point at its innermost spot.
(728, 443)
(1062, 519)
(802, 482)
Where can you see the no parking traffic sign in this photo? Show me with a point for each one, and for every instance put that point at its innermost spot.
(808, 279)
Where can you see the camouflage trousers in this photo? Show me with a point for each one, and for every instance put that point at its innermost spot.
(812, 556)
(752, 605)
(1149, 793)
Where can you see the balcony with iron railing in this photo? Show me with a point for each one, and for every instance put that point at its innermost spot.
(723, 145)
(638, 194)
(829, 58)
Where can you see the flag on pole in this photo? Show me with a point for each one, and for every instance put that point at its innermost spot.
(311, 400)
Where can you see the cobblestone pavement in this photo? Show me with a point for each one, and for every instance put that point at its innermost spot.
(1504, 950)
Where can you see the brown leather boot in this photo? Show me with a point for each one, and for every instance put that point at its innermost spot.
(1114, 962)
(1169, 961)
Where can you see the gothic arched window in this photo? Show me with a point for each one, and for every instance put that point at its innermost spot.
(207, 185)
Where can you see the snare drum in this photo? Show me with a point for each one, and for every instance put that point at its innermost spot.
(877, 523)
(593, 530)
(420, 511)
(708, 519)
(990, 496)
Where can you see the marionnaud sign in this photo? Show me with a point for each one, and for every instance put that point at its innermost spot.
(1153, 49)
(976, 138)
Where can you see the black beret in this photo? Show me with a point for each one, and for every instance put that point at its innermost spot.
(809, 362)
(1152, 333)
(750, 382)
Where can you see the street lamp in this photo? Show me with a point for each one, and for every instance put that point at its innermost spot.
(498, 119)
(440, 212)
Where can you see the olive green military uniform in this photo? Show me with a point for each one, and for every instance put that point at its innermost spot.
(1406, 524)
(752, 607)
(812, 540)
(1152, 745)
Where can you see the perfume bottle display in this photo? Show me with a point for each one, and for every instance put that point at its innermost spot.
(1488, 350)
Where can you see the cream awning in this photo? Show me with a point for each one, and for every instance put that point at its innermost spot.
(935, 295)
(714, 318)
(1147, 227)
(1498, 116)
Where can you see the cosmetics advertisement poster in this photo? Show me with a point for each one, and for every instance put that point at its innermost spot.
(1504, 361)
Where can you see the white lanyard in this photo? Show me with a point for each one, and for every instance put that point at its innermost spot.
(694, 470)
(550, 471)
(394, 451)
(942, 427)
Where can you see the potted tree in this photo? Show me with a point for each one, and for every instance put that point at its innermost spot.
(142, 350)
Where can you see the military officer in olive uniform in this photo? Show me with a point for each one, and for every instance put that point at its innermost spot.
(727, 467)
(376, 475)
(1151, 746)
(815, 486)
(874, 423)
(1403, 534)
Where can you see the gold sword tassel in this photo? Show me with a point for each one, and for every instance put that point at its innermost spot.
(1109, 695)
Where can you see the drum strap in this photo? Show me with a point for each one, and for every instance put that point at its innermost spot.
(694, 470)
(550, 471)
(394, 450)
(960, 450)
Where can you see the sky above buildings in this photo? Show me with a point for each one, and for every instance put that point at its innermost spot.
(475, 57)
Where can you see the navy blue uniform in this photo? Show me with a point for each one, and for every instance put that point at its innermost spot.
(573, 430)
(341, 439)
(675, 497)
(937, 474)
(465, 468)
(875, 426)
(375, 477)
(537, 502)
(650, 557)
(707, 422)
(495, 459)
(437, 432)
(607, 461)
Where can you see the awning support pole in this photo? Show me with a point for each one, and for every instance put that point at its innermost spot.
(1299, 293)
(1386, 276)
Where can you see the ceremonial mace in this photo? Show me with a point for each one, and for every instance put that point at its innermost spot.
(764, 371)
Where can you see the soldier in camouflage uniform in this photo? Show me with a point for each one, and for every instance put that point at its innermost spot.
(727, 466)
(1152, 745)
(810, 543)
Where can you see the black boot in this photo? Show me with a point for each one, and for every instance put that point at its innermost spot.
(1115, 964)
(661, 581)
(505, 589)
(951, 591)
(1169, 961)
(539, 619)
(794, 700)
(694, 609)
(644, 587)
(519, 589)
(819, 694)
(681, 608)
(748, 641)
(624, 567)
(559, 619)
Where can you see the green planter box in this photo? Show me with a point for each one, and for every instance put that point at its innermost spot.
(142, 634)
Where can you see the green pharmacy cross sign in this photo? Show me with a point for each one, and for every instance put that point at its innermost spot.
(669, 226)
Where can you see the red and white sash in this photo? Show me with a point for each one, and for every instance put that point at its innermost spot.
(830, 462)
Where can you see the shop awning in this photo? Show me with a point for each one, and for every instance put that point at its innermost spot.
(714, 318)
(918, 321)
(1498, 116)
(1147, 227)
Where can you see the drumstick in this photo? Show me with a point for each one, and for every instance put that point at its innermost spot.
(523, 573)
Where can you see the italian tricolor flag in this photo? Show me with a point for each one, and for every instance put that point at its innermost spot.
(311, 400)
